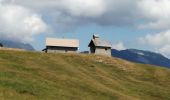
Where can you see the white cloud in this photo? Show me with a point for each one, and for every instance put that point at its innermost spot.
(119, 46)
(24, 17)
(19, 23)
(156, 13)
(101, 12)
(86, 8)
(159, 41)
(165, 50)
(63, 14)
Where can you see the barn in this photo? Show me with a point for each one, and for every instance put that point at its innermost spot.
(54, 45)
(100, 47)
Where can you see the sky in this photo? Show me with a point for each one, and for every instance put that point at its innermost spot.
(138, 24)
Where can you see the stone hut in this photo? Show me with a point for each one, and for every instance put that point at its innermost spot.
(54, 45)
(100, 47)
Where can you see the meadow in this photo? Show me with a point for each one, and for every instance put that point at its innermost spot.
(28, 75)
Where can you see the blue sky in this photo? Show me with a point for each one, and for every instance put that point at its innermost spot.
(139, 24)
(126, 35)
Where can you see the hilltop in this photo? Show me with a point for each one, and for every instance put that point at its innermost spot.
(39, 76)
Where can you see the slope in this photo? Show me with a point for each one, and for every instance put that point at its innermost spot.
(40, 76)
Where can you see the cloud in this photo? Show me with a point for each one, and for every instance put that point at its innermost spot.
(159, 41)
(119, 46)
(164, 50)
(156, 13)
(87, 8)
(100, 12)
(60, 14)
(34, 15)
(19, 23)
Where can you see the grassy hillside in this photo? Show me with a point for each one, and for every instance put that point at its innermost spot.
(40, 76)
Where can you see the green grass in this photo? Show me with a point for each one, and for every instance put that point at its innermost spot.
(39, 76)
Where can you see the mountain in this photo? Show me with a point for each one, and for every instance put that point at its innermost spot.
(14, 44)
(141, 56)
(26, 75)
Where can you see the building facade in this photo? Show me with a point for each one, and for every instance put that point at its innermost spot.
(100, 47)
(61, 45)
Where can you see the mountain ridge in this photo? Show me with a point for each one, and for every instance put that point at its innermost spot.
(142, 56)
(16, 44)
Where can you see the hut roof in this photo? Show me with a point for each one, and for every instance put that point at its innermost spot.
(100, 43)
(62, 42)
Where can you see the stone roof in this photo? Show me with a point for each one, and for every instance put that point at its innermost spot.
(100, 43)
(62, 42)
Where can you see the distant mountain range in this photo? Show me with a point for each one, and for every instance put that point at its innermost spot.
(14, 44)
(141, 56)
